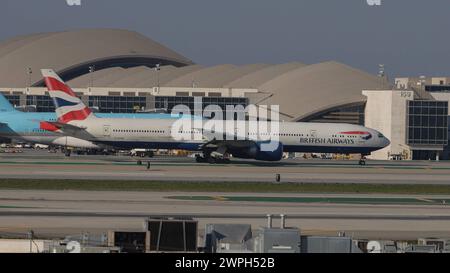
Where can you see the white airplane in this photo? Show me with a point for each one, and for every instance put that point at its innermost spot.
(76, 120)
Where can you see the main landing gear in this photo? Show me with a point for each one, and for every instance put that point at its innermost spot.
(66, 152)
(211, 159)
(362, 161)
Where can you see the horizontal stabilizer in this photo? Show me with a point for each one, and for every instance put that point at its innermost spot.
(67, 129)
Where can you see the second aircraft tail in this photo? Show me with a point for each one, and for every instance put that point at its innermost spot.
(5, 105)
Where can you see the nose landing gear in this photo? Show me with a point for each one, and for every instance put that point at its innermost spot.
(362, 161)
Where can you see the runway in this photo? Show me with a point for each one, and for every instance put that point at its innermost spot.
(58, 213)
(41, 165)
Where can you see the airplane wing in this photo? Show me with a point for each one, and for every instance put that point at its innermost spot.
(228, 141)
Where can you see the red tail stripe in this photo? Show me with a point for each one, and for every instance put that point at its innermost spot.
(75, 115)
(55, 85)
(355, 133)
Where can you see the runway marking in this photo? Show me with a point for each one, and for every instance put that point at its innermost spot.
(426, 200)
(220, 198)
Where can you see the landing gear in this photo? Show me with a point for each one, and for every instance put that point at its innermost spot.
(67, 152)
(362, 161)
(199, 159)
(215, 160)
(211, 159)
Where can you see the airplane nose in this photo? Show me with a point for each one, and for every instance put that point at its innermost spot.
(386, 142)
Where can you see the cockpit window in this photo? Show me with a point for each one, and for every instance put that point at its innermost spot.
(380, 135)
(367, 137)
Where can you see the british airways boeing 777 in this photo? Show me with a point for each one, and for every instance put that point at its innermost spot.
(77, 120)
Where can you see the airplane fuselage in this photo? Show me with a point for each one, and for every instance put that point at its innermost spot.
(294, 136)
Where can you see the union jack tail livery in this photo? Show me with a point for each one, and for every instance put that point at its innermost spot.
(68, 106)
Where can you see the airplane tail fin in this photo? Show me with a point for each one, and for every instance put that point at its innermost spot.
(68, 106)
(5, 105)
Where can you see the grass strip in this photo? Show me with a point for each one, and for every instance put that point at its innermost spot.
(113, 185)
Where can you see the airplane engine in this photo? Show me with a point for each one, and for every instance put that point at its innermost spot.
(74, 142)
(273, 153)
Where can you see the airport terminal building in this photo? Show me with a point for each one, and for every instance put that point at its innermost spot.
(122, 71)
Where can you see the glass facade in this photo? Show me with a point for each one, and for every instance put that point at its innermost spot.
(42, 103)
(353, 114)
(129, 104)
(117, 104)
(13, 99)
(170, 102)
(427, 123)
(437, 88)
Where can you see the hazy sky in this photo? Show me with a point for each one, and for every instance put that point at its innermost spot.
(411, 37)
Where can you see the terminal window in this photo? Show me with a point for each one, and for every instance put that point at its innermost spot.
(117, 104)
(13, 99)
(427, 123)
(353, 114)
(437, 88)
(169, 102)
(42, 103)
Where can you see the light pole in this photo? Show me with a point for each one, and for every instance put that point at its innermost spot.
(91, 72)
(30, 73)
(381, 74)
(157, 69)
(423, 81)
(31, 236)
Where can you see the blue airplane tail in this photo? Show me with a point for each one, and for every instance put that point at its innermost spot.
(5, 105)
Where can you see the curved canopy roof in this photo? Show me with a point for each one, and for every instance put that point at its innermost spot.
(70, 53)
(313, 88)
(259, 77)
(199, 77)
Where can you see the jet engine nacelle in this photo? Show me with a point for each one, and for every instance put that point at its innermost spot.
(269, 152)
(74, 142)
